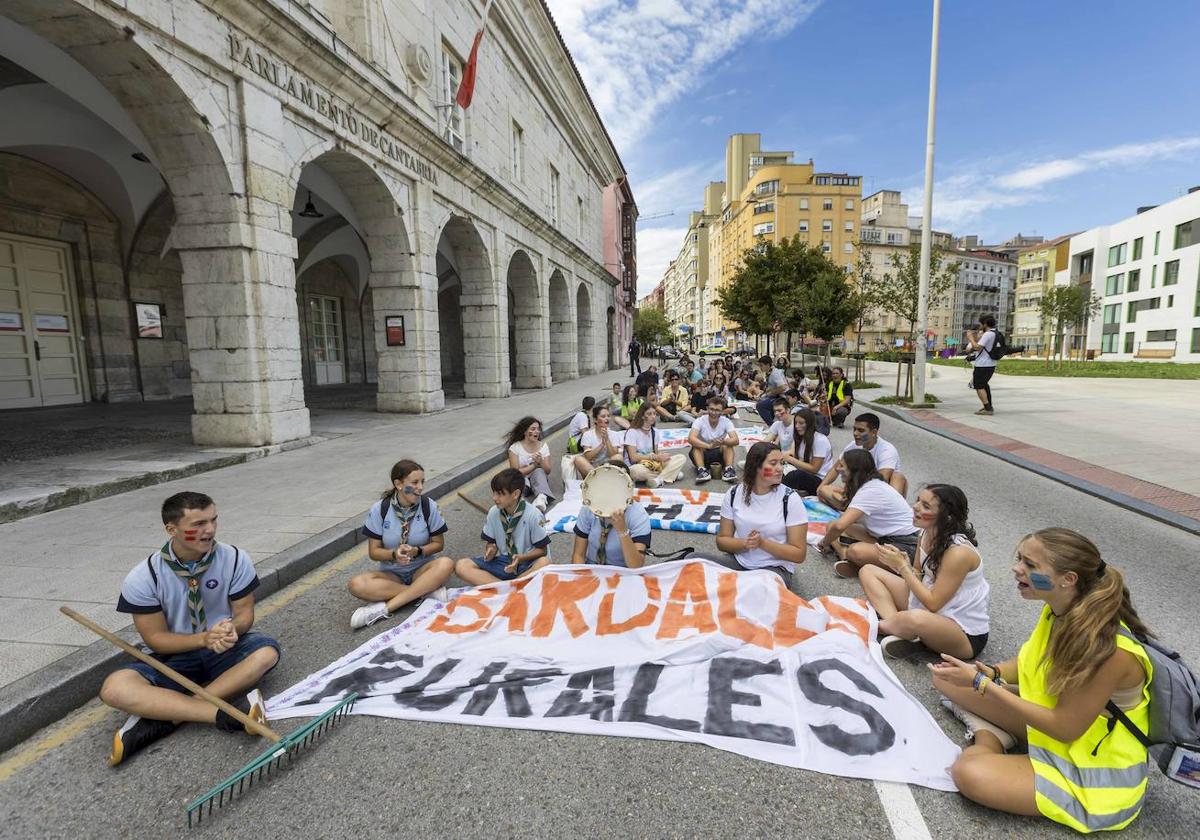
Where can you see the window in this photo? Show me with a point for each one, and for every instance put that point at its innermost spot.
(451, 77)
(1112, 313)
(518, 152)
(1135, 279)
(1116, 255)
(1153, 276)
(1129, 342)
(1137, 248)
(1112, 284)
(1160, 335)
(804, 227)
(766, 187)
(849, 203)
(849, 227)
(1108, 343)
(769, 207)
(764, 228)
(804, 204)
(756, 160)
(579, 214)
(1157, 234)
(1187, 233)
(1196, 340)
(827, 204)
(1170, 301)
(1171, 273)
(827, 225)
(1141, 306)
(826, 247)
(554, 195)
(895, 238)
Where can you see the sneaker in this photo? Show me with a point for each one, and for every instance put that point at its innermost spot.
(703, 475)
(137, 732)
(252, 705)
(845, 569)
(364, 616)
(654, 482)
(975, 723)
(441, 594)
(987, 412)
(898, 648)
(540, 502)
(730, 474)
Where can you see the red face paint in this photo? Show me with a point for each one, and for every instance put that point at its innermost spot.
(770, 472)
(190, 535)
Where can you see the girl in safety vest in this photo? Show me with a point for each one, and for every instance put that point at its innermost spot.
(1083, 769)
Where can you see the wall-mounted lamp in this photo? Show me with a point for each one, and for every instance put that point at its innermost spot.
(310, 210)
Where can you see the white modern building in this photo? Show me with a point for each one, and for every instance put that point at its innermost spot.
(1145, 269)
(238, 202)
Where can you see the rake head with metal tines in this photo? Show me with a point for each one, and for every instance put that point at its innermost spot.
(266, 763)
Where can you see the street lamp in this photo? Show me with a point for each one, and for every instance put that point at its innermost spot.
(927, 220)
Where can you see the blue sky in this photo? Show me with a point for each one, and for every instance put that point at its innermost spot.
(1053, 116)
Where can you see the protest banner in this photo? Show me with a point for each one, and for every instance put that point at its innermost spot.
(686, 651)
(696, 511)
(670, 439)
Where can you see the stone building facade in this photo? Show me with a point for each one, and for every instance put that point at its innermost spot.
(237, 201)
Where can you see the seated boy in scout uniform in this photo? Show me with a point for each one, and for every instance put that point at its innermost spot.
(192, 602)
(515, 542)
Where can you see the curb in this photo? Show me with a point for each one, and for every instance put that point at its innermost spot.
(47, 695)
(1167, 517)
(70, 496)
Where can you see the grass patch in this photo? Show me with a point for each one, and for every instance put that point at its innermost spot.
(892, 399)
(1088, 370)
(864, 384)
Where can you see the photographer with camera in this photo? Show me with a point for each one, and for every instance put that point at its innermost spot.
(981, 353)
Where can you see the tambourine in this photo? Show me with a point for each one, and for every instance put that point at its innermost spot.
(606, 490)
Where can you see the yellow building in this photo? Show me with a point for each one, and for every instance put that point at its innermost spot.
(767, 197)
(1036, 267)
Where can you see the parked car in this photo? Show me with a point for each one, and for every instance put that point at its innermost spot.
(671, 353)
(713, 350)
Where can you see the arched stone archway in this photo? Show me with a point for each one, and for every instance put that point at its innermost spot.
(564, 364)
(375, 231)
(471, 337)
(529, 364)
(585, 330)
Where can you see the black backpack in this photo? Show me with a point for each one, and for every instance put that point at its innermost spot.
(387, 500)
(1000, 347)
(786, 496)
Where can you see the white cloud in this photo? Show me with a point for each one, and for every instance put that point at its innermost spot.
(710, 119)
(638, 57)
(656, 247)
(677, 190)
(963, 198)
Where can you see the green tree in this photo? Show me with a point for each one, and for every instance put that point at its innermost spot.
(651, 327)
(829, 304)
(897, 290)
(1066, 306)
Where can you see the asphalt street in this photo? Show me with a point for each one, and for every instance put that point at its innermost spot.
(375, 777)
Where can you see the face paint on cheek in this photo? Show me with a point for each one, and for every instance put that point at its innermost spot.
(1041, 582)
(412, 491)
(190, 535)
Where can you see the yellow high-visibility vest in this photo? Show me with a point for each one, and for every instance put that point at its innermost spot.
(1098, 781)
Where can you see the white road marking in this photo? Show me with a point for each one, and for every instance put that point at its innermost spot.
(902, 811)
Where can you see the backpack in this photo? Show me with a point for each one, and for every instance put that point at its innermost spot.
(786, 495)
(1174, 708)
(1000, 347)
(387, 500)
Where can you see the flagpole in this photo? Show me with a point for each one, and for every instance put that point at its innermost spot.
(927, 216)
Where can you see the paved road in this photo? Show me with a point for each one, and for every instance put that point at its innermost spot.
(379, 778)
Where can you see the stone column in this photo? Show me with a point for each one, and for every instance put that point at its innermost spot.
(483, 314)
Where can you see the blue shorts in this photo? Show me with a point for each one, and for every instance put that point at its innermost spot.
(203, 666)
(407, 572)
(495, 567)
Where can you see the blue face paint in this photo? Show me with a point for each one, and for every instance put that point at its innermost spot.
(412, 491)
(1040, 581)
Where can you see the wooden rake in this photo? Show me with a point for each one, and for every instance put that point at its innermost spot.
(282, 746)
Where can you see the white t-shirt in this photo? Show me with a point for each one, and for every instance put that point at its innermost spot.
(525, 457)
(986, 341)
(710, 434)
(821, 448)
(591, 440)
(886, 456)
(885, 511)
(765, 515)
(578, 423)
(641, 439)
(782, 429)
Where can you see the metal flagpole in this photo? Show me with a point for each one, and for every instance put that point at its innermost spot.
(927, 216)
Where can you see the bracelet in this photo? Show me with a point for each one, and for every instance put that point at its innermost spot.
(980, 683)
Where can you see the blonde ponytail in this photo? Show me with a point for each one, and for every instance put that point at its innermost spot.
(1085, 636)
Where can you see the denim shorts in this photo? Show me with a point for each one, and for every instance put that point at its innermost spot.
(407, 572)
(495, 567)
(203, 666)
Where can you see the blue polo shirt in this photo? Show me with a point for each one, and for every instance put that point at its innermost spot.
(529, 534)
(152, 587)
(386, 529)
(588, 526)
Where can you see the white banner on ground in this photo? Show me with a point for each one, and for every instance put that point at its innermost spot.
(668, 439)
(685, 651)
(697, 511)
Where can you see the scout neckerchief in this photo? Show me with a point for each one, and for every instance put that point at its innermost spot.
(191, 572)
(406, 515)
(602, 548)
(510, 523)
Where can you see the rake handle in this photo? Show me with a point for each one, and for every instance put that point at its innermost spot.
(171, 673)
(472, 502)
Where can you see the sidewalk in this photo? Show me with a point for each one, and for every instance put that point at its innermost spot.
(276, 508)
